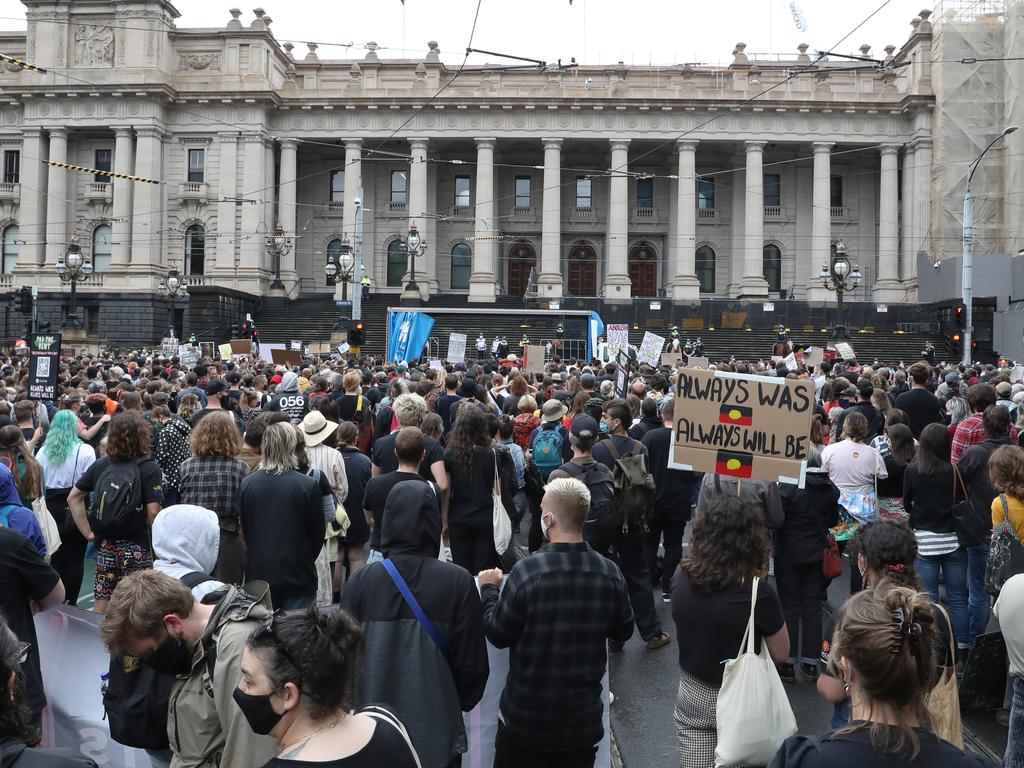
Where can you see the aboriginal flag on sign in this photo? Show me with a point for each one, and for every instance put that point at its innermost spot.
(736, 414)
(734, 464)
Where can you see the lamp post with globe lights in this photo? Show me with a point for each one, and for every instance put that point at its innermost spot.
(278, 245)
(414, 246)
(171, 287)
(840, 276)
(73, 268)
(341, 269)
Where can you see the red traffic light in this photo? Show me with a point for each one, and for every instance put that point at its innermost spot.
(359, 326)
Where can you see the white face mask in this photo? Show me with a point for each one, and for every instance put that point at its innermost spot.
(544, 525)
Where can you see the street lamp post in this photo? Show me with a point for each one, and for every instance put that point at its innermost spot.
(342, 268)
(414, 246)
(170, 288)
(840, 276)
(278, 246)
(73, 268)
(967, 285)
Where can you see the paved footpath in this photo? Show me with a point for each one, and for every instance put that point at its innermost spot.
(645, 683)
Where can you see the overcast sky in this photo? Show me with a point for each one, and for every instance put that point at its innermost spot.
(659, 32)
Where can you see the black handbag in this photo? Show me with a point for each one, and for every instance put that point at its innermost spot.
(971, 527)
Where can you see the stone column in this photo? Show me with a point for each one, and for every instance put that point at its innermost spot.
(353, 187)
(57, 208)
(286, 205)
(254, 260)
(121, 226)
(821, 220)
(616, 282)
(909, 238)
(922, 210)
(887, 287)
(147, 201)
(227, 189)
(482, 281)
(752, 284)
(32, 208)
(416, 208)
(684, 283)
(549, 281)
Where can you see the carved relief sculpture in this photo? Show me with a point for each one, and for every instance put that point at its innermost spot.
(94, 46)
(199, 61)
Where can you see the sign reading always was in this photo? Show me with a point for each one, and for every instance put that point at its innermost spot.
(742, 426)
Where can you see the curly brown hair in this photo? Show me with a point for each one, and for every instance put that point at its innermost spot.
(1006, 470)
(215, 435)
(127, 437)
(728, 545)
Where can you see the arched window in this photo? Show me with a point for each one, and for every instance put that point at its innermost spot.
(101, 248)
(773, 267)
(705, 266)
(11, 247)
(462, 265)
(195, 250)
(398, 263)
(333, 249)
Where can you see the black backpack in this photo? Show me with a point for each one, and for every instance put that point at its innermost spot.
(136, 697)
(117, 511)
(604, 520)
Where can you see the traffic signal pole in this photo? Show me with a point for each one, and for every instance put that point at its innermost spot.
(33, 328)
(357, 255)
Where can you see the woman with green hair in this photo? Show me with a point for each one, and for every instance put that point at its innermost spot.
(64, 459)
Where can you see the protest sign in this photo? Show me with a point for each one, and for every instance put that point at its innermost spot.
(168, 346)
(456, 347)
(533, 358)
(671, 359)
(790, 361)
(437, 365)
(297, 345)
(650, 348)
(697, 362)
(845, 351)
(618, 337)
(621, 379)
(1017, 374)
(44, 355)
(813, 357)
(285, 356)
(225, 351)
(241, 346)
(190, 356)
(742, 426)
(343, 348)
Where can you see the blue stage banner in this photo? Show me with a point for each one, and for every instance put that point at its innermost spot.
(408, 333)
(595, 330)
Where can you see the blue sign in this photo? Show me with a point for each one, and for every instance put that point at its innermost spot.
(343, 303)
(408, 333)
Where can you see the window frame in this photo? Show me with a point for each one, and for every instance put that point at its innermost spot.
(773, 286)
(584, 200)
(462, 199)
(835, 182)
(701, 267)
(333, 194)
(103, 178)
(12, 176)
(520, 197)
(14, 242)
(394, 192)
(390, 251)
(465, 270)
(190, 242)
(97, 265)
(648, 197)
(776, 196)
(195, 174)
(703, 197)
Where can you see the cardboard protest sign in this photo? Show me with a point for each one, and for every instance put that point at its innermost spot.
(813, 357)
(168, 346)
(742, 426)
(621, 379)
(437, 365)
(533, 358)
(671, 359)
(650, 348)
(241, 346)
(790, 361)
(618, 337)
(297, 345)
(456, 347)
(284, 356)
(319, 348)
(1017, 374)
(697, 362)
(225, 351)
(190, 356)
(845, 351)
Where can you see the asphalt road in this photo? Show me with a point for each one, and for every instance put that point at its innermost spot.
(645, 682)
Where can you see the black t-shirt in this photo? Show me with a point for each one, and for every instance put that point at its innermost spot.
(443, 408)
(375, 498)
(921, 407)
(152, 487)
(24, 576)
(295, 404)
(385, 747)
(385, 458)
(854, 750)
(472, 500)
(207, 411)
(710, 627)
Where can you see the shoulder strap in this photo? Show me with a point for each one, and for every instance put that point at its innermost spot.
(384, 716)
(951, 648)
(193, 579)
(414, 606)
(718, 483)
(610, 445)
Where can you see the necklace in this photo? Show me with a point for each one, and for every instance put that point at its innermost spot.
(300, 743)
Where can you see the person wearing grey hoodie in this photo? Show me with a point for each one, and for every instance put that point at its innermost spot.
(289, 399)
(186, 540)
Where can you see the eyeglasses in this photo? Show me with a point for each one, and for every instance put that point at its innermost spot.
(23, 649)
(266, 629)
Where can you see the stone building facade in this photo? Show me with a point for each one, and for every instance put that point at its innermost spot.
(685, 182)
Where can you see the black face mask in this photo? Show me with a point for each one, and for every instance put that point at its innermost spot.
(173, 657)
(257, 710)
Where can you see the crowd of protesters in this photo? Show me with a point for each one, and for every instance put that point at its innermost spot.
(309, 551)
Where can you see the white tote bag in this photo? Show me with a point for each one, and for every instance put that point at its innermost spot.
(502, 522)
(754, 716)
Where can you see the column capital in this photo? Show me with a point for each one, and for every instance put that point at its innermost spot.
(419, 143)
(922, 143)
(123, 131)
(289, 143)
(31, 132)
(485, 142)
(754, 146)
(353, 143)
(822, 147)
(156, 132)
(620, 144)
(687, 145)
(58, 133)
(888, 149)
(552, 143)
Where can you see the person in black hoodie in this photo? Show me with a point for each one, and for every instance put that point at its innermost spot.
(799, 543)
(427, 682)
(649, 419)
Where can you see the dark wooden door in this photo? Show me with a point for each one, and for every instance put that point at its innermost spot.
(519, 275)
(644, 277)
(583, 277)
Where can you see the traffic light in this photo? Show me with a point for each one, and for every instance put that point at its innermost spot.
(246, 330)
(355, 334)
(959, 315)
(954, 342)
(23, 298)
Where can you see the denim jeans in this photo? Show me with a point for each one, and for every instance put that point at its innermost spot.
(954, 570)
(979, 603)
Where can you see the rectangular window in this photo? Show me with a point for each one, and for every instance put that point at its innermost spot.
(645, 193)
(197, 166)
(104, 159)
(706, 193)
(461, 192)
(398, 187)
(12, 166)
(337, 186)
(523, 196)
(835, 191)
(772, 189)
(92, 321)
(584, 192)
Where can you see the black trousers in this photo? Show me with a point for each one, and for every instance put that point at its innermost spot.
(800, 587)
(627, 551)
(472, 547)
(672, 532)
(511, 753)
(69, 560)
